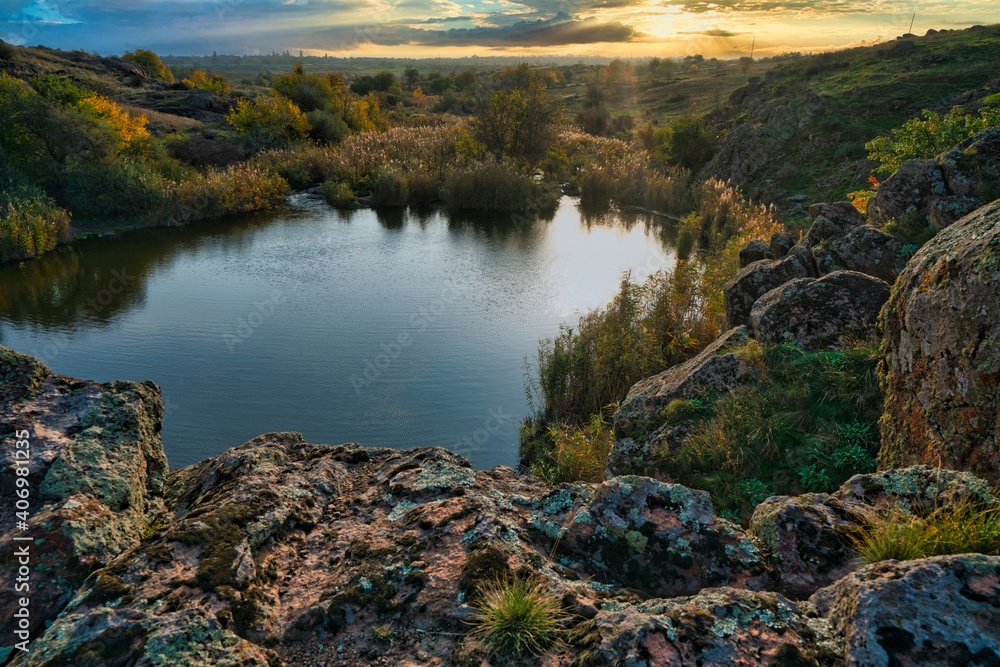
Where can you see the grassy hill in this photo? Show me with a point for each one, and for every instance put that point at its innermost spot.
(801, 129)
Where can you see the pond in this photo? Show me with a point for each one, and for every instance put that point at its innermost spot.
(396, 328)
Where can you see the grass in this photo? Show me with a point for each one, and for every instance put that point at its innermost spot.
(965, 527)
(573, 453)
(516, 617)
(496, 185)
(806, 422)
(30, 224)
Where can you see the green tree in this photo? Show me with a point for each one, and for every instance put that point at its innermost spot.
(517, 121)
(150, 64)
(270, 121)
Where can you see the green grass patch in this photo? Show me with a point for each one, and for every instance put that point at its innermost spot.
(806, 423)
(517, 617)
(965, 527)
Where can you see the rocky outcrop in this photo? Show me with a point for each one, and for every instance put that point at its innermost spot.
(639, 421)
(284, 552)
(942, 352)
(935, 611)
(95, 480)
(944, 189)
(757, 279)
(816, 312)
(809, 539)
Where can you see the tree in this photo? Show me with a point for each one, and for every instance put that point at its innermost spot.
(688, 142)
(410, 78)
(517, 122)
(150, 64)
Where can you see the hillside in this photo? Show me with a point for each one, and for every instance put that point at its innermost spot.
(801, 129)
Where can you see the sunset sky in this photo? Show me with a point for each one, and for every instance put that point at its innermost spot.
(421, 28)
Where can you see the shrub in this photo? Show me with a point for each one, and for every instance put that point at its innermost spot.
(687, 142)
(326, 128)
(127, 187)
(516, 617)
(30, 223)
(339, 194)
(268, 122)
(301, 166)
(571, 453)
(927, 136)
(215, 83)
(150, 64)
(496, 185)
(965, 527)
(238, 190)
(388, 189)
(7, 51)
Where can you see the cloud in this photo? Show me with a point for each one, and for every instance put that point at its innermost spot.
(41, 12)
(715, 32)
(562, 30)
(816, 6)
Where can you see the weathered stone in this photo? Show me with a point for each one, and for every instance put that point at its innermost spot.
(96, 474)
(934, 611)
(662, 539)
(753, 252)
(814, 312)
(943, 211)
(756, 280)
(907, 192)
(721, 627)
(781, 243)
(808, 539)
(716, 369)
(843, 214)
(942, 352)
(869, 251)
(918, 489)
(972, 168)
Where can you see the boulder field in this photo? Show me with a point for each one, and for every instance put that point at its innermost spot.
(285, 552)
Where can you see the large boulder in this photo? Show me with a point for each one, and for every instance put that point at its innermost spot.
(944, 189)
(942, 352)
(814, 312)
(808, 539)
(716, 369)
(934, 611)
(757, 279)
(867, 250)
(661, 539)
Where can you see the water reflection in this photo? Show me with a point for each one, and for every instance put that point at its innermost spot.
(171, 305)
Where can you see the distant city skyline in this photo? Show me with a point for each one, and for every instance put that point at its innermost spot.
(442, 28)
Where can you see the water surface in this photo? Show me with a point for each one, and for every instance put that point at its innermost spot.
(398, 328)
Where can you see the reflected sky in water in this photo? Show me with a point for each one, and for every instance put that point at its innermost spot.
(390, 328)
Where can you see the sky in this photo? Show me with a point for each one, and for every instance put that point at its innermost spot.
(444, 28)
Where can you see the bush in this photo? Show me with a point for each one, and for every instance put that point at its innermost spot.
(927, 136)
(268, 122)
(326, 128)
(7, 51)
(301, 166)
(30, 223)
(339, 194)
(118, 188)
(238, 190)
(496, 185)
(516, 617)
(688, 142)
(215, 83)
(962, 528)
(388, 189)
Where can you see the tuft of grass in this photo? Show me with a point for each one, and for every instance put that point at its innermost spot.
(496, 185)
(965, 527)
(339, 194)
(516, 617)
(569, 453)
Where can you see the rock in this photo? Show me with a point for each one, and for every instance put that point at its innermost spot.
(943, 211)
(781, 243)
(96, 476)
(661, 539)
(907, 192)
(814, 312)
(843, 214)
(870, 251)
(716, 369)
(755, 280)
(934, 611)
(719, 627)
(808, 538)
(753, 252)
(971, 168)
(942, 352)
(918, 489)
